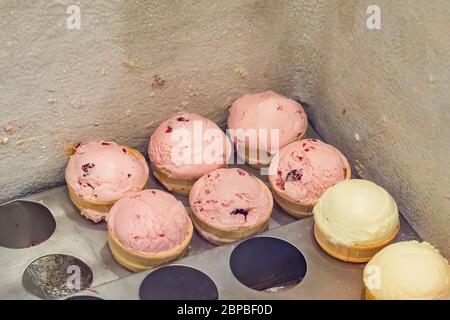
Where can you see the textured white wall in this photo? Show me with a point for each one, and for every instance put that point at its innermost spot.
(383, 97)
(59, 86)
(389, 86)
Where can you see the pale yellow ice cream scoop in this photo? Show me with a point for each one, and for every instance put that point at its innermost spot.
(408, 270)
(355, 219)
(356, 211)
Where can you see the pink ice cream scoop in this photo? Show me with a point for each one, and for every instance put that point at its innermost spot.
(149, 221)
(230, 198)
(305, 169)
(188, 145)
(267, 112)
(105, 171)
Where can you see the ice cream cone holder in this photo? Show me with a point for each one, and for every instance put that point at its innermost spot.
(49, 251)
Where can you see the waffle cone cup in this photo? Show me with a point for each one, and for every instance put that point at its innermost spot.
(296, 208)
(356, 253)
(179, 186)
(252, 157)
(139, 261)
(223, 235)
(368, 295)
(82, 204)
(100, 206)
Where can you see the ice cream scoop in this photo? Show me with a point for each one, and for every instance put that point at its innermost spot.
(357, 211)
(407, 270)
(100, 172)
(230, 198)
(187, 146)
(149, 221)
(147, 229)
(257, 118)
(305, 169)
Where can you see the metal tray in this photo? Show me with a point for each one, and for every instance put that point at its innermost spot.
(35, 272)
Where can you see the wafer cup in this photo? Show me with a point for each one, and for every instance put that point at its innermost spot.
(223, 235)
(137, 261)
(81, 204)
(100, 206)
(299, 209)
(179, 186)
(357, 253)
(368, 295)
(253, 157)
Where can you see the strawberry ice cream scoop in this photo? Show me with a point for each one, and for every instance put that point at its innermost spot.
(105, 171)
(305, 169)
(149, 221)
(188, 145)
(230, 198)
(270, 112)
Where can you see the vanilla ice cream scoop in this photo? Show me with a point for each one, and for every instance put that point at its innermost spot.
(356, 212)
(409, 270)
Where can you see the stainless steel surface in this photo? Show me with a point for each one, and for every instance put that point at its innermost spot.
(78, 237)
(286, 267)
(178, 283)
(25, 224)
(325, 278)
(74, 236)
(48, 277)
